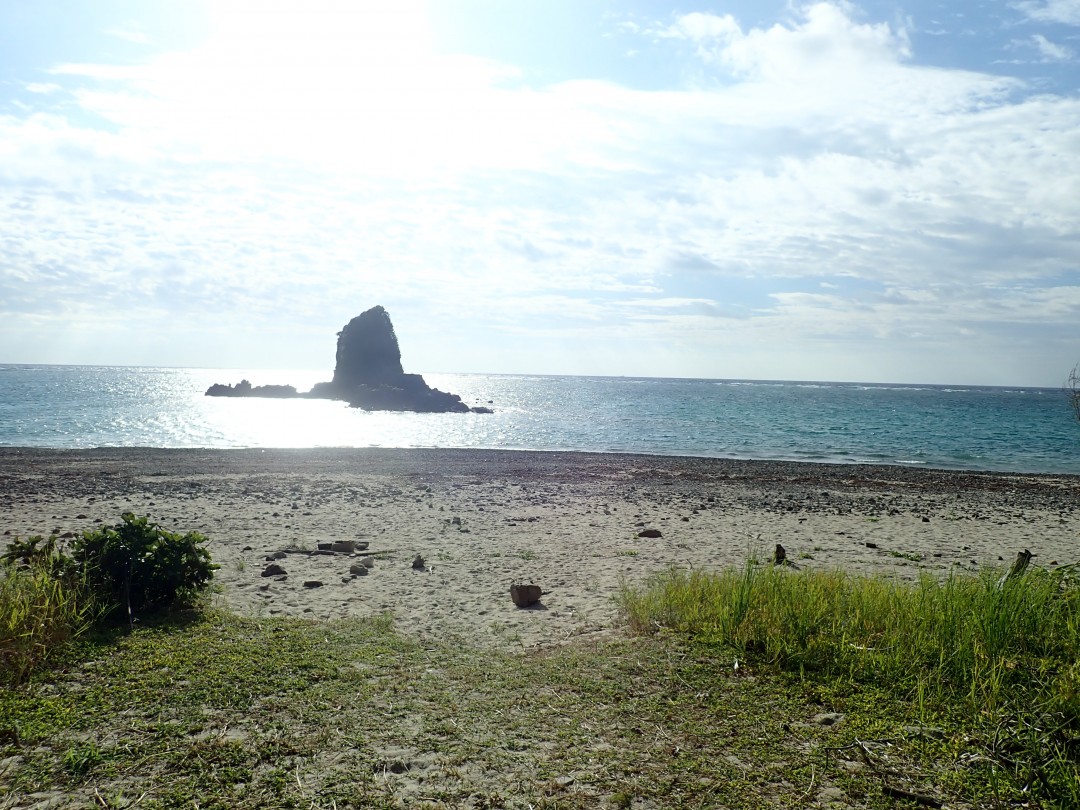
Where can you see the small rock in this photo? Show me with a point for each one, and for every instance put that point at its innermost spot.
(564, 782)
(418, 563)
(358, 570)
(325, 546)
(367, 562)
(312, 583)
(273, 570)
(650, 533)
(871, 545)
(343, 546)
(832, 795)
(525, 595)
(827, 718)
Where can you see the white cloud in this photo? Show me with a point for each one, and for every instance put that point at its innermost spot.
(823, 41)
(129, 34)
(1050, 51)
(43, 88)
(1054, 11)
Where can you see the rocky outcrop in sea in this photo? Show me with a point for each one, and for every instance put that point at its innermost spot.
(367, 374)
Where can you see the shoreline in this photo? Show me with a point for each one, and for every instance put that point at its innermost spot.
(567, 521)
(743, 466)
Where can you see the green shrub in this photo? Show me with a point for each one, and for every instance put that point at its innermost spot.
(49, 594)
(137, 565)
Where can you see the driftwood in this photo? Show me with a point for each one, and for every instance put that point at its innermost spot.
(1023, 560)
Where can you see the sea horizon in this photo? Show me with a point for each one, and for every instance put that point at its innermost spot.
(327, 373)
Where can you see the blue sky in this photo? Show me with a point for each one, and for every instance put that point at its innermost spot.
(879, 191)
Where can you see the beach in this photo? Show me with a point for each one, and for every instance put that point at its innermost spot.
(568, 522)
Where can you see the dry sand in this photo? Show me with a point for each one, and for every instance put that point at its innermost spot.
(568, 522)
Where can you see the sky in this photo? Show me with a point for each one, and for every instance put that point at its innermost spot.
(879, 191)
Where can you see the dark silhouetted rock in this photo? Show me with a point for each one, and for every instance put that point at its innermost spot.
(246, 389)
(368, 374)
(367, 352)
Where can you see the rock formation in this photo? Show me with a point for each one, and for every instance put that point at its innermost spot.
(367, 374)
(367, 352)
(245, 389)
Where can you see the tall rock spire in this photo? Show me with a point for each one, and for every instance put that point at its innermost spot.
(367, 351)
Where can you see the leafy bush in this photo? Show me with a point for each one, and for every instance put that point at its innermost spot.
(137, 565)
(49, 593)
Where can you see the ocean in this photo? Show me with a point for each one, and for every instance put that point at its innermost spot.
(952, 427)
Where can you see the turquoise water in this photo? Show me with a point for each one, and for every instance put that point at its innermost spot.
(958, 427)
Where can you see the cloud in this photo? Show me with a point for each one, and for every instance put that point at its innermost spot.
(1051, 52)
(129, 33)
(44, 88)
(1053, 11)
(824, 39)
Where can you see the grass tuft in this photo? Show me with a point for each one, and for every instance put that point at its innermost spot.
(38, 614)
(1005, 651)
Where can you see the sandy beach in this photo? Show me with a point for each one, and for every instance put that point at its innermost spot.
(568, 522)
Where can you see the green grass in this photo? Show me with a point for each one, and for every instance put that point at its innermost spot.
(38, 615)
(956, 690)
(1005, 655)
(216, 711)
